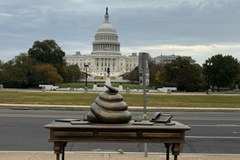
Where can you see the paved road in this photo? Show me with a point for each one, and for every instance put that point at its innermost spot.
(212, 132)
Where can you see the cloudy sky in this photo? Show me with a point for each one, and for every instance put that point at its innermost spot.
(197, 28)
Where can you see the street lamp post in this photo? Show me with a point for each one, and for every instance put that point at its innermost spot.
(209, 64)
(86, 66)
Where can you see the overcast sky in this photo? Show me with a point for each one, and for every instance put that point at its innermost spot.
(196, 28)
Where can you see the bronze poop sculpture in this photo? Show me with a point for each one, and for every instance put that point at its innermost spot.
(109, 107)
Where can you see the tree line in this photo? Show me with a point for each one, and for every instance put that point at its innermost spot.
(218, 72)
(43, 64)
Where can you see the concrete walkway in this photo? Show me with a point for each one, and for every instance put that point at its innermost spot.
(109, 156)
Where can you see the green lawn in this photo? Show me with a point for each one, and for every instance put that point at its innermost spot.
(161, 100)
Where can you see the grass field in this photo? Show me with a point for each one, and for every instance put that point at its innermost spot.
(156, 100)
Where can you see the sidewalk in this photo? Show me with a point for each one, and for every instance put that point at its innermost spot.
(109, 156)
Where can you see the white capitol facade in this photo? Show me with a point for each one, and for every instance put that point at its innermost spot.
(105, 55)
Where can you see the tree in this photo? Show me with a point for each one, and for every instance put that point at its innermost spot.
(183, 73)
(72, 73)
(25, 65)
(133, 75)
(47, 74)
(238, 79)
(1, 69)
(17, 72)
(1, 64)
(22, 73)
(155, 74)
(48, 52)
(44, 63)
(222, 71)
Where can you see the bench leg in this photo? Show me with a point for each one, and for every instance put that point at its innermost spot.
(167, 145)
(176, 150)
(59, 148)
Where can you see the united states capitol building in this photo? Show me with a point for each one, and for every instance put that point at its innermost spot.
(105, 55)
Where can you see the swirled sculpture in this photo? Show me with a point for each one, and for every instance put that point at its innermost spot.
(109, 107)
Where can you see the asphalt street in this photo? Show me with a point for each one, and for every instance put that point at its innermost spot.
(212, 132)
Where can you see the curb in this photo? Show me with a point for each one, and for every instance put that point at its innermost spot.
(133, 108)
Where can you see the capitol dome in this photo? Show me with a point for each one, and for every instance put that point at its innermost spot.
(106, 28)
(106, 38)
